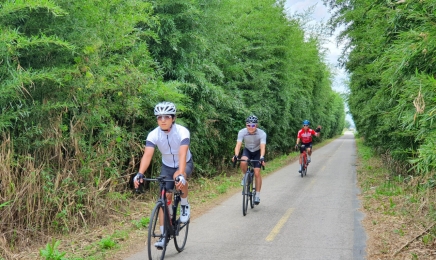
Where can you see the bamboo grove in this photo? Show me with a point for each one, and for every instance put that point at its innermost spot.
(391, 57)
(79, 80)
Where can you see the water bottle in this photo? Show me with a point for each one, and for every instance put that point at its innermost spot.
(170, 209)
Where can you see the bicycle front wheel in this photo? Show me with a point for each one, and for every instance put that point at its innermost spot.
(245, 193)
(181, 235)
(251, 190)
(303, 168)
(157, 240)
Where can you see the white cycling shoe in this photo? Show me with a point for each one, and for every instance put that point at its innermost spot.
(185, 213)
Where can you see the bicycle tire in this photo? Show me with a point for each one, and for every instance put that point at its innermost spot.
(154, 234)
(181, 235)
(305, 165)
(302, 169)
(252, 190)
(245, 193)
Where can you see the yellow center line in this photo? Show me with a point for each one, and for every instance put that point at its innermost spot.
(279, 225)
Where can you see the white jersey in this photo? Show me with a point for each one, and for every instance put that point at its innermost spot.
(169, 143)
(252, 141)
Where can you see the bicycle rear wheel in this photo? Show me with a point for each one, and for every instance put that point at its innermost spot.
(155, 235)
(181, 235)
(245, 193)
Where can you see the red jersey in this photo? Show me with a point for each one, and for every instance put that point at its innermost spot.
(306, 137)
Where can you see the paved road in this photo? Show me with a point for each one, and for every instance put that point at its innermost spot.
(315, 217)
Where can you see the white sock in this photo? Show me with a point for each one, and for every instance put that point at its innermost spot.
(161, 229)
(184, 201)
(258, 194)
(308, 157)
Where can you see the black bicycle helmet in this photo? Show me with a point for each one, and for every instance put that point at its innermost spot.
(251, 119)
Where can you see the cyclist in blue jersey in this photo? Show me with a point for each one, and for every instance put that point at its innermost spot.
(173, 142)
(254, 149)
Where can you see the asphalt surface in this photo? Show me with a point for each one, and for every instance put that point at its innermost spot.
(315, 217)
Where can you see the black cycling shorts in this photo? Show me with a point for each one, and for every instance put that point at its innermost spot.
(308, 145)
(168, 172)
(252, 156)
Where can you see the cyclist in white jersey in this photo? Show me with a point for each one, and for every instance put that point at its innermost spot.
(254, 148)
(173, 141)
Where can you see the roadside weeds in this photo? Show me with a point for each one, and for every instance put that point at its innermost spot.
(400, 211)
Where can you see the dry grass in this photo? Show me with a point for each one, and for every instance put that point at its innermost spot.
(119, 222)
(399, 217)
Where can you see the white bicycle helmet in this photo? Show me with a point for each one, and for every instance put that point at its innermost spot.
(165, 108)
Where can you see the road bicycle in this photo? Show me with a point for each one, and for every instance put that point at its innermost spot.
(173, 228)
(248, 189)
(304, 162)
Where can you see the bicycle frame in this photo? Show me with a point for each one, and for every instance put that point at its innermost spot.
(170, 222)
(304, 163)
(248, 189)
(160, 216)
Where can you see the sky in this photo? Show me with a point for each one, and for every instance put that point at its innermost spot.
(321, 14)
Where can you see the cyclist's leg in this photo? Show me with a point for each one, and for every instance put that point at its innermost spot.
(185, 213)
(243, 165)
(301, 157)
(257, 177)
(258, 185)
(245, 155)
(309, 151)
(188, 170)
(166, 172)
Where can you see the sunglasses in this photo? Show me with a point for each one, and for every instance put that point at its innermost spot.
(163, 117)
(305, 125)
(251, 125)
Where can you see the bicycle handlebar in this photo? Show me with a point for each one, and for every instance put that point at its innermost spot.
(248, 161)
(301, 145)
(160, 179)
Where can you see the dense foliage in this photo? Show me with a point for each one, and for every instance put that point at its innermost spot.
(390, 55)
(79, 80)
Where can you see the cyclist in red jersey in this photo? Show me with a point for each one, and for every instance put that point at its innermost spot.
(305, 136)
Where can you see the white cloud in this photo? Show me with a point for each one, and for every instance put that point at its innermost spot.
(321, 14)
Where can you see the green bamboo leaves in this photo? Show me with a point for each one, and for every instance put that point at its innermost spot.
(392, 47)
